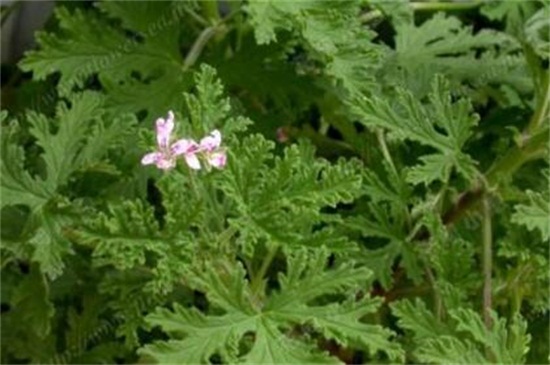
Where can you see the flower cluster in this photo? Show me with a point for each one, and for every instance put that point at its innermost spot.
(208, 149)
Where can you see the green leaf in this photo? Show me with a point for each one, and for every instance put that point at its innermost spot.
(207, 335)
(282, 203)
(269, 319)
(271, 347)
(87, 335)
(29, 318)
(536, 31)
(306, 280)
(81, 140)
(508, 345)
(535, 214)
(31, 305)
(208, 109)
(18, 186)
(465, 339)
(443, 45)
(409, 119)
(61, 149)
(50, 246)
(330, 30)
(78, 139)
(116, 59)
(394, 190)
(450, 350)
(269, 16)
(123, 236)
(342, 323)
(414, 316)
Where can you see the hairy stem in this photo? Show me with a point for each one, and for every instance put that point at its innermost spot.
(211, 11)
(541, 113)
(487, 239)
(198, 46)
(445, 6)
(426, 6)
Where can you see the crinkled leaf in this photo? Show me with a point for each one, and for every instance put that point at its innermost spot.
(409, 119)
(534, 215)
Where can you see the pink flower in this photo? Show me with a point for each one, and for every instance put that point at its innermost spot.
(165, 155)
(210, 147)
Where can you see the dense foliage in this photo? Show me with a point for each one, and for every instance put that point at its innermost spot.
(384, 200)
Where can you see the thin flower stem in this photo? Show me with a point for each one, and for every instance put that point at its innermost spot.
(487, 238)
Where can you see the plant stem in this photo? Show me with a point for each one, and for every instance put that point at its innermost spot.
(487, 239)
(541, 113)
(207, 33)
(196, 16)
(445, 6)
(385, 151)
(210, 11)
(198, 46)
(532, 147)
(426, 6)
(257, 280)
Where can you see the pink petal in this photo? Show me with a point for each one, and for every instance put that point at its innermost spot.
(164, 129)
(165, 163)
(150, 158)
(217, 159)
(184, 146)
(212, 141)
(193, 161)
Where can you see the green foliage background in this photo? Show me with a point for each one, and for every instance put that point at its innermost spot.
(385, 198)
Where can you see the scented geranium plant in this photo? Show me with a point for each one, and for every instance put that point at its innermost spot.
(278, 182)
